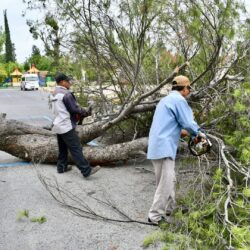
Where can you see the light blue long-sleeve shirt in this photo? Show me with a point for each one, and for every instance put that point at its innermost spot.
(171, 115)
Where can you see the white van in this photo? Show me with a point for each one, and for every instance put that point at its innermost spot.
(30, 81)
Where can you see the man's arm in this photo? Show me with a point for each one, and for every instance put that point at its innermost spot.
(184, 116)
(72, 106)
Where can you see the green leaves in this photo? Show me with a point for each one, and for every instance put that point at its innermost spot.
(154, 237)
(241, 236)
(239, 107)
(218, 175)
(51, 21)
(40, 220)
(24, 214)
(236, 126)
(240, 136)
(246, 192)
(206, 219)
(2, 40)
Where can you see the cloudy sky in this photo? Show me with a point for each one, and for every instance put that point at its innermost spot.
(19, 30)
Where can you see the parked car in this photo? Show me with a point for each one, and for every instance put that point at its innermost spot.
(30, 82)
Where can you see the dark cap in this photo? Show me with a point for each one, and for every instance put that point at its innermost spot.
(62, 77)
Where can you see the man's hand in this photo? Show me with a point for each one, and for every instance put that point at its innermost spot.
(203, 135)
(184, 133)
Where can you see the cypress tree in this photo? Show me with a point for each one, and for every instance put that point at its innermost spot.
(9, 50)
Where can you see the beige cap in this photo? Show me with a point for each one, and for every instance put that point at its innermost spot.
(181, 81)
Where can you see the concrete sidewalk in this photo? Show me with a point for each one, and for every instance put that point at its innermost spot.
(130, 187)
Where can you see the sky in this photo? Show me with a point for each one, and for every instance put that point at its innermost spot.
(19, 30)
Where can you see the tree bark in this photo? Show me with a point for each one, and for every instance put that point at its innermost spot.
(40, 145)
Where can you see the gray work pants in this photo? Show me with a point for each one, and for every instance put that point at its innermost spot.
(164, 198)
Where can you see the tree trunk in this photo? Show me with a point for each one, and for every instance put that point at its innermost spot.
(39, 145)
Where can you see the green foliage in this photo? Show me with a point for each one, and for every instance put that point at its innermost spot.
(47, 29)
(51, 21)
(3, 72)
(41, 62)
(71, 67)
(246, 192)
(206, 219)
(40, 220)
(241, 237)
(239, 135)
(236, 125)
(2, 41)
(23, 214)
(9, 48)
(154, 237)
(7, 68)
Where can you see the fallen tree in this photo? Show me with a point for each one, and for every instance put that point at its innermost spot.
(132, 46)
(39, 145)
(134, 50)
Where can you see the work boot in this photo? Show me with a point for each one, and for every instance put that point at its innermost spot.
(94, 170)
(159, 222)
(169, 213)
(68, 168)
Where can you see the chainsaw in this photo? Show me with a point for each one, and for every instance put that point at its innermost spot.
(80, 118)
(199, 145)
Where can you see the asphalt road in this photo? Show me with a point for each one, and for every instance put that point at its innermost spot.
(129, 186)
(28, 106)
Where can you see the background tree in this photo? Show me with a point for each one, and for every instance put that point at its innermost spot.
(11, 66)
(50, 29)
(41, 62)
(3, 73)
(2, 41)
(9, 48)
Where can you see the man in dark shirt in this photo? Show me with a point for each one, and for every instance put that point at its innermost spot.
(67, 113)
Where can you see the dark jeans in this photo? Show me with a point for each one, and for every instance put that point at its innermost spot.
(70, 141)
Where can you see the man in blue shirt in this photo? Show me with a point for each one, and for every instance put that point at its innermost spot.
(172, 115)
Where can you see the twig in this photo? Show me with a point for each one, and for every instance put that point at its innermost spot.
(81, 208)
